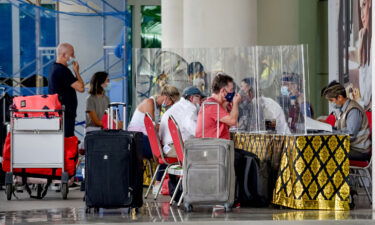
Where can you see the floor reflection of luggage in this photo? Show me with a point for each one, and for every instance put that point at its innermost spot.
(114, 167)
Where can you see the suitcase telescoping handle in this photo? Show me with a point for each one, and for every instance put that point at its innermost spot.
(217, 118)
(113, 111)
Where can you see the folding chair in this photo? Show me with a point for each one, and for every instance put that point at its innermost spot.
(361, 169)
(157, 151)
(179, 147)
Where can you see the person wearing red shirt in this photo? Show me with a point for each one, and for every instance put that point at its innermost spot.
(224, 95)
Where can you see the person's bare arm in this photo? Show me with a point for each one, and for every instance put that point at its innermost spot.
(147, 106)
(232, 118)
(94, 118)
(79, 85)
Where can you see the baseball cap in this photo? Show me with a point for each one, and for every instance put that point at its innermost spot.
(192, 90)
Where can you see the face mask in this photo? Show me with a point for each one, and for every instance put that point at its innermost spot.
(197, 106)
(284, 90)
(229, 97)
(335, 106)
(163, 105)
(71, 60)
(108, 87)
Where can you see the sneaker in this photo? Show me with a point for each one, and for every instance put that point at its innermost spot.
(55, 187)
(155, 188)
(19, 189)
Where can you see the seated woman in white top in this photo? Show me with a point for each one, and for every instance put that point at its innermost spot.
(168, 96)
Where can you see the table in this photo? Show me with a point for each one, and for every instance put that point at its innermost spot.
(312, 171)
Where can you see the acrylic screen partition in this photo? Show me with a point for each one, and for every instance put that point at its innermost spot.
(272, 80)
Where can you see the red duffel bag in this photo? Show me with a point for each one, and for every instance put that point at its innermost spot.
(71, 157)
(36, 102)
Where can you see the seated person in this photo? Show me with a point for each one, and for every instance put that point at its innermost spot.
(247, 108)
(350, 119)
(259, 109)
(153, 105)
(223, 94)
(185, 112)
(294, 100)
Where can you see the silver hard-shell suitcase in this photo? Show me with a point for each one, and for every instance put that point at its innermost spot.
(209, 177)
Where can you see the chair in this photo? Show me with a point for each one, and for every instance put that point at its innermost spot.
(361, 169)
(179, 147)
(157, 151)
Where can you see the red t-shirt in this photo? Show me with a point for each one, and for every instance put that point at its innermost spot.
(210, 121)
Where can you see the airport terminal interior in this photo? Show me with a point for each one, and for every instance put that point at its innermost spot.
(186, 111)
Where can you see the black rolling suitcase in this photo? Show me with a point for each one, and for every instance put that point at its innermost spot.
(114, 167)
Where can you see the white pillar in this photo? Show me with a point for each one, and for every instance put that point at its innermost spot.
(278, 22)
(333, 59)
(172, 23)
(219, 23)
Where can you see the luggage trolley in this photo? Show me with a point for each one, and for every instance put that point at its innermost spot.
(36, 142)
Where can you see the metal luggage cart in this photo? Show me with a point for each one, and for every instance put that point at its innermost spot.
(37, 142)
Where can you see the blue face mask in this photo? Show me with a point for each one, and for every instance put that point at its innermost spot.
(229, 97)
(163, 105)
(284, 90)
(108, 87)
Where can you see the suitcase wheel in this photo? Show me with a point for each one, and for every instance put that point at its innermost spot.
(188, 207)
(64, 190)
(94, 210)
(9, 191)
(228, 208)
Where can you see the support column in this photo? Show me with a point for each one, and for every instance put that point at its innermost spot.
(172, 23)
(16, 44)
(219, 23)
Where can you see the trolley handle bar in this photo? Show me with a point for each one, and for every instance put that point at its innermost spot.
(37, 110)
(116, 104)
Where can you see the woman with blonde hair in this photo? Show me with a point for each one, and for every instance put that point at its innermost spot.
(153, 105)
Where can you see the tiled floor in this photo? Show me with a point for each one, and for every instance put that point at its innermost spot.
(54, 210)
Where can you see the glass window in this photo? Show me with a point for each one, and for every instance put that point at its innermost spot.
(151, 27)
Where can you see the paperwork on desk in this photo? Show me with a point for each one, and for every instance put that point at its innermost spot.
(312, 124)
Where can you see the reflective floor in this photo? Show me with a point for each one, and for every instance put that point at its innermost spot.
(54, 210)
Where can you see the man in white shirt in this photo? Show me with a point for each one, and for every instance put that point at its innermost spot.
(185, 112)
(254, 111)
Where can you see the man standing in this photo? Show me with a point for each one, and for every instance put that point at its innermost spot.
(350, 119)
(62, 82)
(185, 112)
(223, 94)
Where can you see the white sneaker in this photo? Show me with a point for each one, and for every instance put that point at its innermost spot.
(155, 188)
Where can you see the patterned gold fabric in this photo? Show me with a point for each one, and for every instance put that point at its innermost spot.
(267, 147)
(313, 172)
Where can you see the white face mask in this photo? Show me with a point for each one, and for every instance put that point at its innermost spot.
(284, 90)
(71, 60)
(197, 106)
